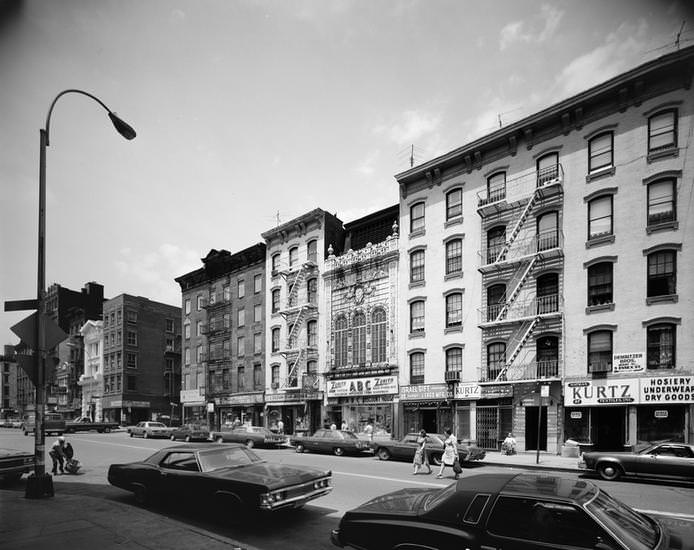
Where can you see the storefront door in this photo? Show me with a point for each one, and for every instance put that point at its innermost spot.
(531, 433)
(608, 428)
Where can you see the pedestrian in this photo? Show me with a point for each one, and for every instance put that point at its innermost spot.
(57, 454)
(508, 446)
(344, 425)
(369, 430)
(450, 454)
(421, 457)
(72, 465)
(333, 426)
(280, 427)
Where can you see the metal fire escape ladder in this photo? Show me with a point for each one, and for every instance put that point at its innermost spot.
(291, 375)
(516, 284)
(517, 228)
(517, 342)
(296, 283)
(296, 326)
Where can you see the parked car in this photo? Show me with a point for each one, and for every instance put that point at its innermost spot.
(338, 442)
(662, 459)
(190, 432)
(506, 510)
(230, 477)
(150, 429)
(85, 424)
(52, 423)
(404, 448)
(251, 436)
(13, 464)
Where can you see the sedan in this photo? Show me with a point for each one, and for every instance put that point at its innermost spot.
(663, 459)
(232, 478)
(337, 442)
(404, 449)
(251, 436)
(190, 432)
(14, 463)
(150, 429)
(514, 511)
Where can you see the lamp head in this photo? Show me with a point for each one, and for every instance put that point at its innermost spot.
(124, 129)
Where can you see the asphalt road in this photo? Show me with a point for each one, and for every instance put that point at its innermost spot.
(355, 480)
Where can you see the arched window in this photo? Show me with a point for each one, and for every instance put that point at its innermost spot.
(661, 202)
(496, 240)
(547, 290)
(547, 231)
(662, 130)
(454, 256)
(600, 351)
(454, 359)
(312, 291)
(600, 284)
(378, 336)
(312, 333)
(496, 187)
(312, 251)
(496, 359)
(359, 339)
(341, 342)
(547, 353)
(275, 300)
(496, 298)
(600, 152)
(275, 339)
(417, 368)
(547, 168)
(417, 316)
(293, 256)
(416, 217)
(600, 217)
(276, 261)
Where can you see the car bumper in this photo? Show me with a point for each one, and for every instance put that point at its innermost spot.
(296, 501)
(335, 538)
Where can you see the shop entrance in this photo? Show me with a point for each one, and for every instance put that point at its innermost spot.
(429, 420)
(608, 428)
(531, 439)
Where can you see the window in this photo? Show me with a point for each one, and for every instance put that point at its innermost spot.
(169, 325)
(241, 379)
(600, 152)
(378, 336)
(186, 356)
(199, 302)
(275, 339)
(600, 217)
(198, 328)
(227, 320)
(241, 288)
(454, 204)
(312, 291)
(547, 286)
(132, 316)
(341, 341)
(312, 333)
(454, 256)
(661, 273)
(240, 346)
(275, 375)
(547, 231)
(199, 355)
(661, 346)
(417, 316)
(275, 300)
(496, 359)
(293, 256)
(496, 299)
(454, 310)
(547, 353)
(241, 317)
(547, 168)
(359, 339)
(600, 351)
(417, 368)
(496, 187)
(600, 284)
(661, 202)
(132, 338)
(257, 342)
(312, 251)
(496, 241)
(186, 306)
(417, 266)
(275, 262)
(226, 349)
(417, 217)
(662, 131)
(226, 293)
(131, 360)
(257, 377)
(257, 283)
(454, 359)
(257, 313)
(132, 382)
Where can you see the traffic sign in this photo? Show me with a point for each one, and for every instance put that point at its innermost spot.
(21, 305)
(26, 330)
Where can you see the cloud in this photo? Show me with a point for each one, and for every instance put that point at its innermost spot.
(412, 126)
(538, 29)
(366, 166)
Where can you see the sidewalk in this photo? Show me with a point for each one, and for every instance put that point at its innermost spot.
(527, 460)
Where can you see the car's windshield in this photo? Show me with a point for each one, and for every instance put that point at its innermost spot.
(349, 435)
(636, 530)
(231, 457)
(437, 498)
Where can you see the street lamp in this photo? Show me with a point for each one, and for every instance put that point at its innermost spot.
(42, 485)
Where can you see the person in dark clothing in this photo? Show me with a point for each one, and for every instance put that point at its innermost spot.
(57, 454)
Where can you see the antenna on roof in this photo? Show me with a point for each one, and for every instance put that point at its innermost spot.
(278, 218)
(412, 156)
(677, 38)
(499, 116)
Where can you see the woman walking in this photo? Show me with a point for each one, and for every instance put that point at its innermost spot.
(450, 453)
(421, 457)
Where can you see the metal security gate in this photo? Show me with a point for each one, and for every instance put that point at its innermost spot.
(488, 427)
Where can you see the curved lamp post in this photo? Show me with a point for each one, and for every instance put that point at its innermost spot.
(44, 482)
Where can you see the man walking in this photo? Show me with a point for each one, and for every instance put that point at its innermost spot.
(57, 454)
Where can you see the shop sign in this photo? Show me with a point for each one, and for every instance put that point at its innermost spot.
(210, 407)
(244, 399)
(192, 396)
(628, 362)
(601, 392)
(660, 414)
(496, 392)
(419, 392)
(372, 385)
(360, 400)
(667, 389)
(468, 391)
(576, 415)
(292, 398)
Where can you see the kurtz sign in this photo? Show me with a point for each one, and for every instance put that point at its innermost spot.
(601, 392)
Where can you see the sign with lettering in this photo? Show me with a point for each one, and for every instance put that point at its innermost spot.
(660, 414)
(576, 415)
(601, 392)
(192, 396)
(423, 392)
(667, 389)
(628, 362)
(468, 391)
(496, 392)
(373, 385)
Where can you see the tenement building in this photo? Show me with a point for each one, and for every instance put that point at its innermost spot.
(361, 311)
(544, 268)
(296, 321)
(223, 320)
(92, 379)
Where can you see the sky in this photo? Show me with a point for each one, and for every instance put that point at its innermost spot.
(250, 112)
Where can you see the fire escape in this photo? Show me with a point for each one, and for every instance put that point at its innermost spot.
(513, 261)
(296, 348)
(217, 331)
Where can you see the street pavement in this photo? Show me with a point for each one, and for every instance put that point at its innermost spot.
(85, 522)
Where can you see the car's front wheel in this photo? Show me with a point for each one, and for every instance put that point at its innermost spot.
(383, 453)
(300, 448)
(338, 451)
(609, 471)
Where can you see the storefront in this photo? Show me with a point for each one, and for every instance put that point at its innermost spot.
(618, 413)
(493, 415)
(194, 406)
(299, 412)
(244, 408)
(425, 407)
(362, 401)
(125, 412)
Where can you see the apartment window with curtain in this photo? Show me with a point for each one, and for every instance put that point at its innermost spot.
(454, 256)
(661, 274)
(417, 316)
(600, 217)
(454, 204)
(312, 333)
(341, 341)
(275, 339)
(312, 251)
(600, 284)
(661, 202)
(496, 359)
(275, 300)
(600, 152)
(378, 336)
(275, 375)
(662, 131)
(454, 359)
(293, 256)
(547, 168)
(661, 346)
(417, 217)
(454, 310)
(312, 291)
(359, 339)
(417, 266)
(417, 368)
(600, 351)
